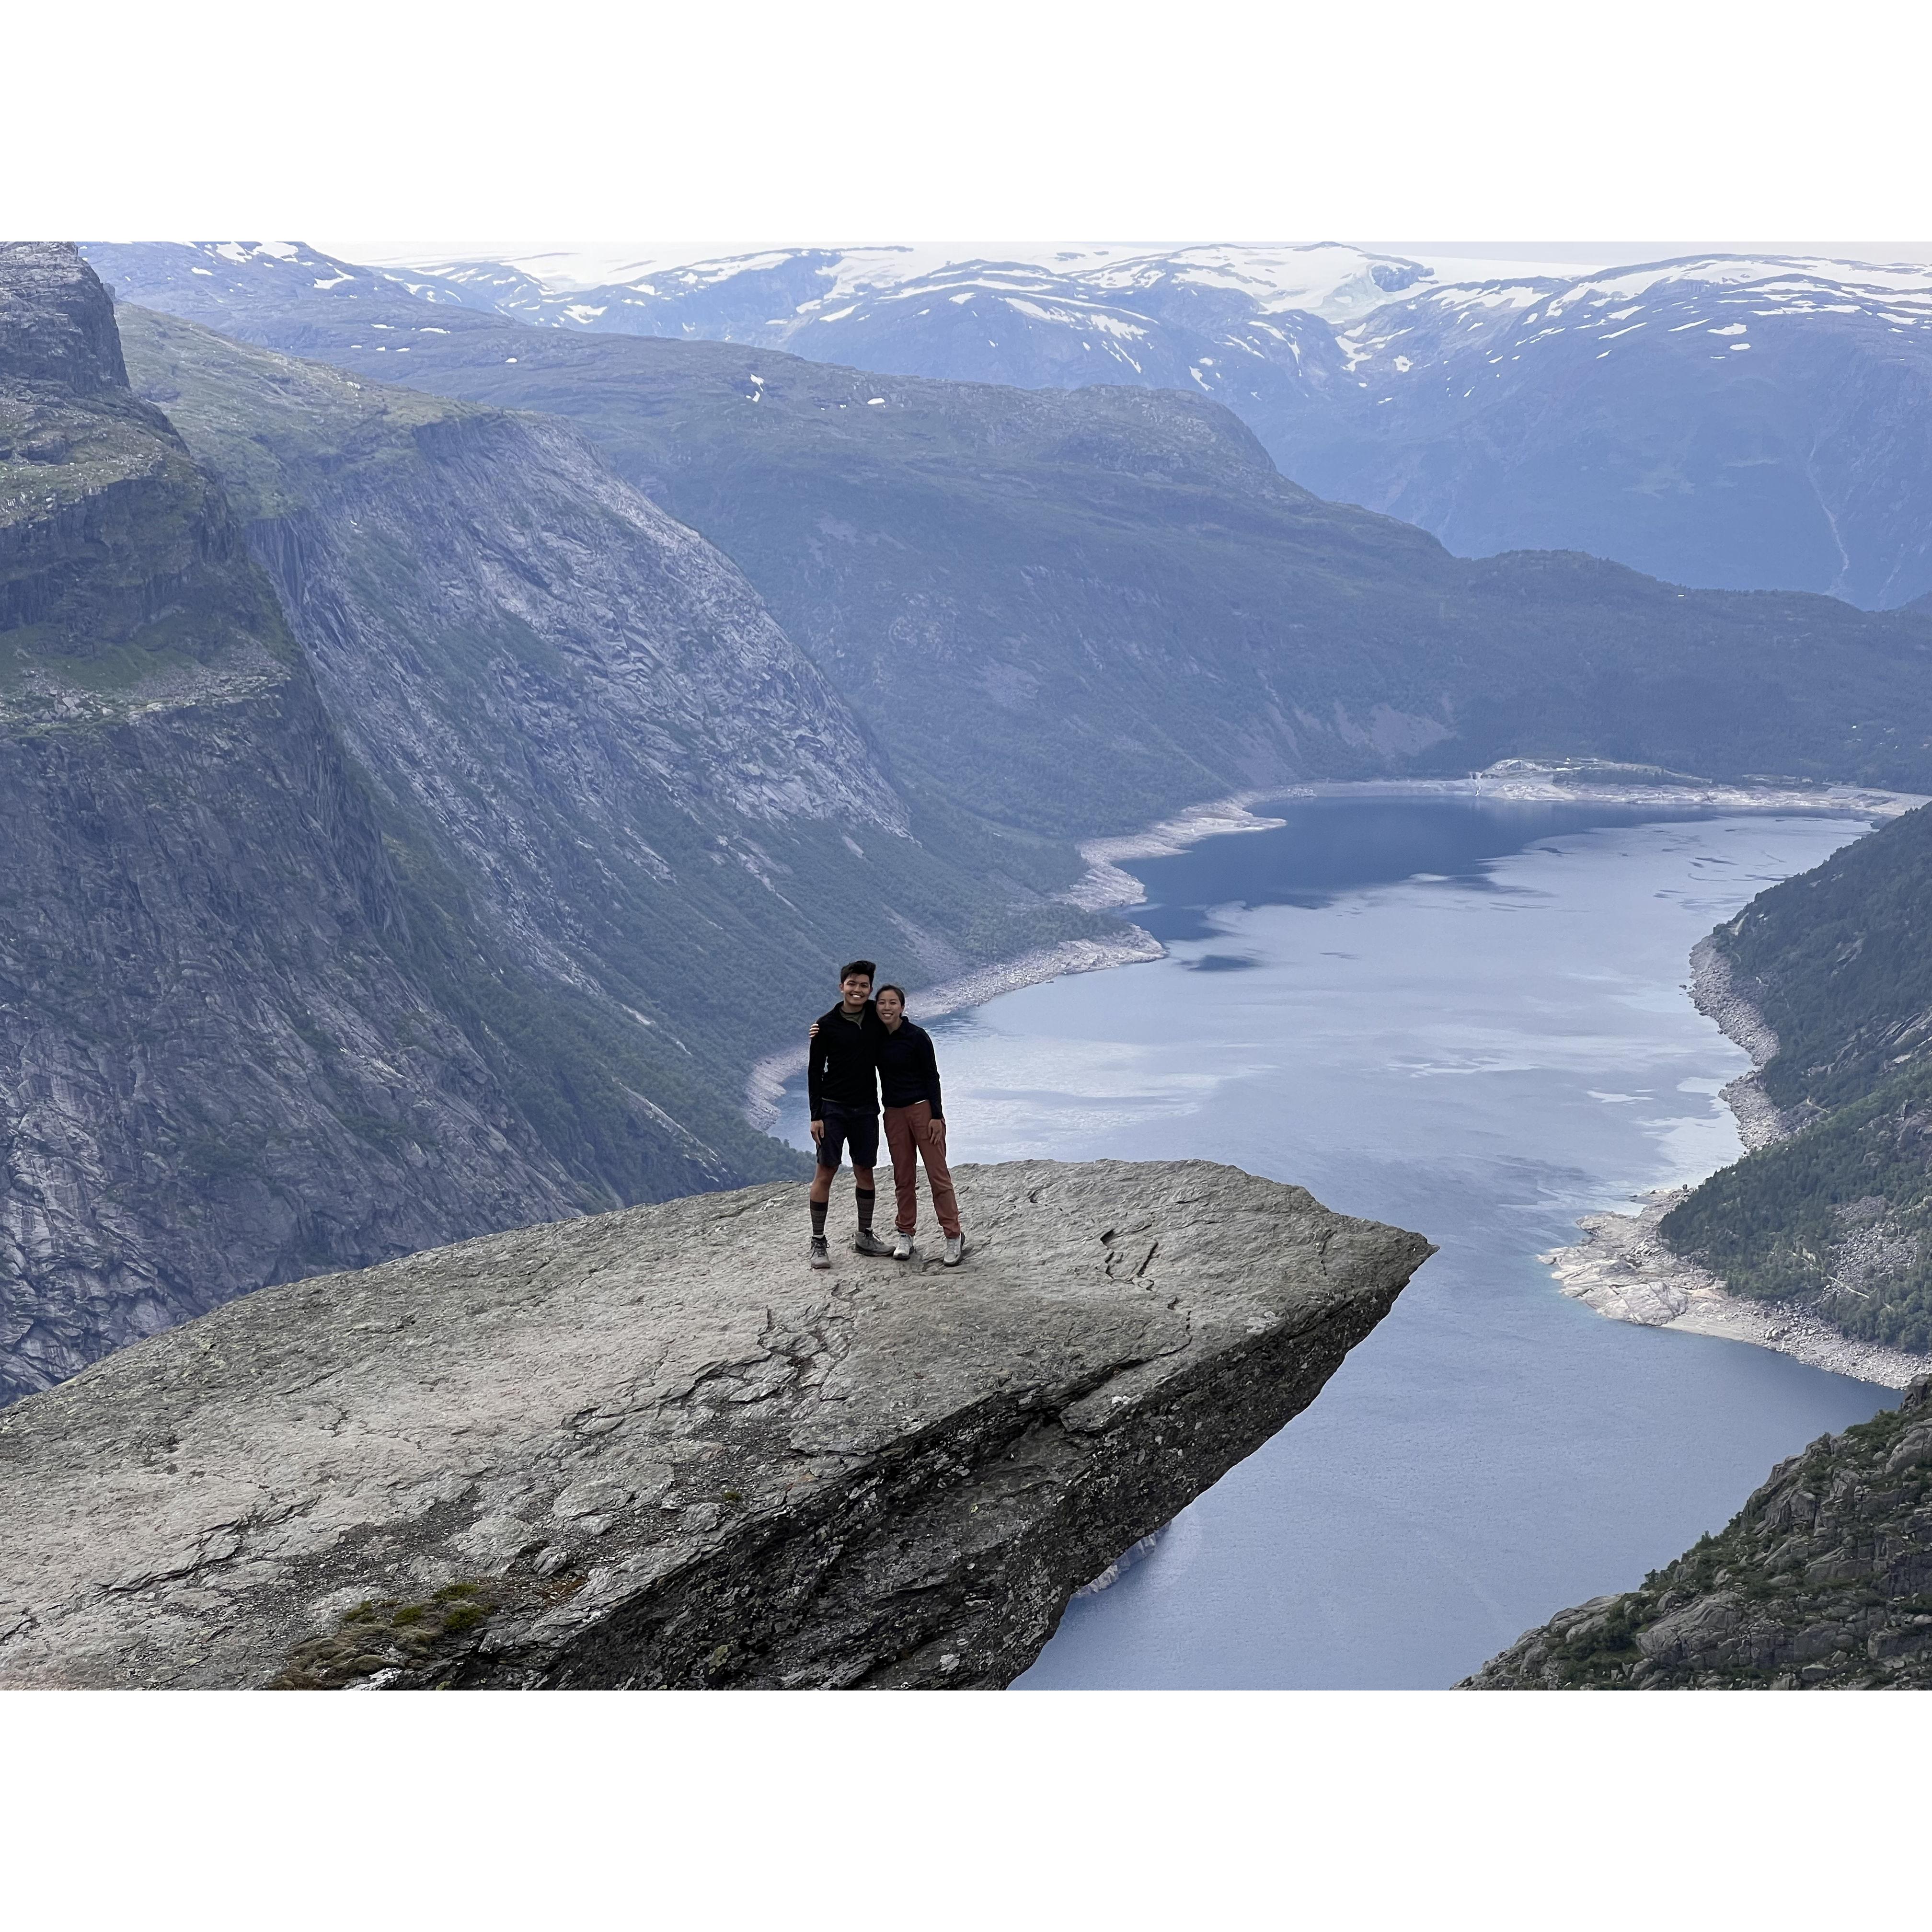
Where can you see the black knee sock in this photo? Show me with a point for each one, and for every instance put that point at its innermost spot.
(865, 1197)
(818, 1208)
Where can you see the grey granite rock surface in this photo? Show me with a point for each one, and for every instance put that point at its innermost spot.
(54, 326)
(651, 1448)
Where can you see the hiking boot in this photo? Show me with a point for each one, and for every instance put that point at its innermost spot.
(821, 1257)
(901, 1246)
(865, 1242)
(955, 1250)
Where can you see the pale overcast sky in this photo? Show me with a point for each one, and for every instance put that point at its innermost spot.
(400, 127)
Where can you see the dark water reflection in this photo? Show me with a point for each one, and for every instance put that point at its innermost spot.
(1331, 845)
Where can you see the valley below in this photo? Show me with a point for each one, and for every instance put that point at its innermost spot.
(1476, 1012)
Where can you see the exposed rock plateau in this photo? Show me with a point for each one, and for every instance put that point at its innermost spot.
(650, 1448)
(1823, 1580)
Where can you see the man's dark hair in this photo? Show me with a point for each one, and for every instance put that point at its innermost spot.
(889, 988)
(852, 966)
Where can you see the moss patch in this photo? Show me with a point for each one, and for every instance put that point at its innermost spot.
(426, 1640)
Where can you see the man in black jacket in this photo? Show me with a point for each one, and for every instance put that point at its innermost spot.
(842, 1080)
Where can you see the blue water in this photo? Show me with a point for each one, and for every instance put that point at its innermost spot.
(1468, 1018)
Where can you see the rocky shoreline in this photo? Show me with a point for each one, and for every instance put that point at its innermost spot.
(1106, 886)
(1622, 1269)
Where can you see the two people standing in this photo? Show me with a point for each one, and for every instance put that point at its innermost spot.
(862, 1048)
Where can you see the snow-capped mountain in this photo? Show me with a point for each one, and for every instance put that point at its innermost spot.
(780, 291)
(1249, 326)
(234, 274)
(1745, 423)
(1730, 421)
(1733, 421)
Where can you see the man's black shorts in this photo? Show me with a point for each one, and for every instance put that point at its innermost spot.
(844, 1125)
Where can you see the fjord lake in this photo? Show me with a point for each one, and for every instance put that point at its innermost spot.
(1469, 1017)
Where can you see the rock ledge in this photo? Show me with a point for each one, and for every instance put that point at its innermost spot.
(651, 1449)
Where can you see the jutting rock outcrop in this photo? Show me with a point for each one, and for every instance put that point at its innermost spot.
(650, 1448)
(1822, 1581)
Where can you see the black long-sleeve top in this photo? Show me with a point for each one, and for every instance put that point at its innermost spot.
(908, 1067)
(842, 1067)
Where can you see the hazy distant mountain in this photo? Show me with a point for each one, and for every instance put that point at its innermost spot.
(1743, 424)
(1721, 421)
(1069, 611)
(773, 296)
(1254, 328)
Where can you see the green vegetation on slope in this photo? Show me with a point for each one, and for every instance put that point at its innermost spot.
(1822, 1581)
(1839, 962)
(119, 582)
(1840, 1214)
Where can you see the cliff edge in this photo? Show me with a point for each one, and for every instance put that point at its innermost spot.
(650, 1449)
(1822, 1581)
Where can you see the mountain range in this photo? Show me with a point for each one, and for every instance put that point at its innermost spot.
(1066, 611)
(1723, 422)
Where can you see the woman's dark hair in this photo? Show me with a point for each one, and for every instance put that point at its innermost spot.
(889, 988)
(852, 966)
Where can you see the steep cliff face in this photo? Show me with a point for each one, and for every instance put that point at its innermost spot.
(581, 712)
(213, 1072)
(1822, 1581)
(58, 331)
(652, 1449)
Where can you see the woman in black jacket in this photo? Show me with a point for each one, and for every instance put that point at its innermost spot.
(915, 1125)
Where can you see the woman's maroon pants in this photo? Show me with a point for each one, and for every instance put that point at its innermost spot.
(907, 1128)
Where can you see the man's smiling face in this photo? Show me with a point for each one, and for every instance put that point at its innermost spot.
(857, 989)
